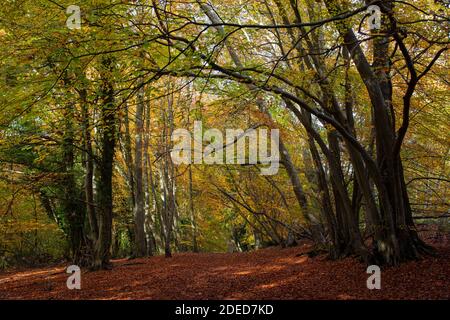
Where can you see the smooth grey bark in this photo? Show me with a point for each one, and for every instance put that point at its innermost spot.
(167, 180)
(140, 241)
(127, 153)
(192, 213)
(149, 188)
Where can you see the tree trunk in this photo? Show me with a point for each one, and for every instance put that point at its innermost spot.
(148, 185)
(72, 208)
(89, 170)
(140, 244)
(192, 212)
(107, 136)
(397, 241)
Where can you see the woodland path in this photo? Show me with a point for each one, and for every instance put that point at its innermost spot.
(272, 273)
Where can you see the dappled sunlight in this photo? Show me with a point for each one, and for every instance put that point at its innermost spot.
(32, 273)
(270, 285)
(291, 261)
(243, 273)
(266, 274)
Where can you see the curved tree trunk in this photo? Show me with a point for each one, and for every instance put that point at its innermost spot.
(396, 241)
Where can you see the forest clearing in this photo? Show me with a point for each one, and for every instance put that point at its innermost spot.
(224, 149)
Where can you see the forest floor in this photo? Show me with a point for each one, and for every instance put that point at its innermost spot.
(272, 273)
